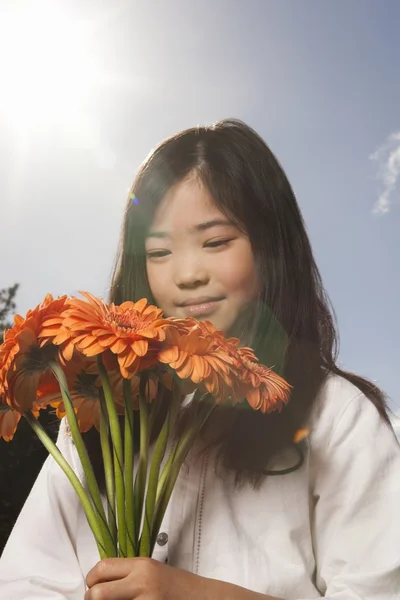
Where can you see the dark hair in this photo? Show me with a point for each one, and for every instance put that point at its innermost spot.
(292, 327)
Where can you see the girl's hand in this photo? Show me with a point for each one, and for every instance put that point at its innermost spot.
(142, 579)
(148, 579)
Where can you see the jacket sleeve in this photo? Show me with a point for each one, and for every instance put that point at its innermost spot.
(355, 462)
(39, 560)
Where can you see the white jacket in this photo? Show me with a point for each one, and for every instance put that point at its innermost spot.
(329, 530)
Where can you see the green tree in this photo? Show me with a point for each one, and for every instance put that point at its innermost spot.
(7, 306)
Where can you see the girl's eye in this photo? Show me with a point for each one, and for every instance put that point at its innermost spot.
(158, 253)
(217, 243)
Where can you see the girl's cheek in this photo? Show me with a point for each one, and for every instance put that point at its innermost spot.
(160, 284)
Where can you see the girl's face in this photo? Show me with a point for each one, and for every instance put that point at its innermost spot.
(198, 263)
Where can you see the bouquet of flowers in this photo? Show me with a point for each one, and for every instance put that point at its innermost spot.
(95, 363)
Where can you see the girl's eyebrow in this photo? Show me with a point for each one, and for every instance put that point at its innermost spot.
(200, 227)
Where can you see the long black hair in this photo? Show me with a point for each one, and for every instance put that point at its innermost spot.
(292, 324)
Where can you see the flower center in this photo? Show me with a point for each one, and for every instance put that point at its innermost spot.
(129, 319)
(37, 360)
(86, 386)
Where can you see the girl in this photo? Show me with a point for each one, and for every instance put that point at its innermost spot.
(212, 230)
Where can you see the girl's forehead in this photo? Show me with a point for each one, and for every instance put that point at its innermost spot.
(184, 208)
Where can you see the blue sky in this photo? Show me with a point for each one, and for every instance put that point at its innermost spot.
(318, 80)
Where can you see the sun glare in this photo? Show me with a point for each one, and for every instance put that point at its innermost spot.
(48, 65)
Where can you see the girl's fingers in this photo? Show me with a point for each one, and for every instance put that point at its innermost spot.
(111, 590)
(109, 569)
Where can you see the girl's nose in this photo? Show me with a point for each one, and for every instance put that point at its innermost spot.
(190, 274)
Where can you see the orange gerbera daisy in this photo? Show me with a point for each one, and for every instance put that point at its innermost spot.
(132, 331)
(22, 361)
(230, 345)
(196, 355)
(267, 391)
(200, 352)
(263, 389)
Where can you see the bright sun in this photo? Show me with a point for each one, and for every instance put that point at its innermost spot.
(48, 65)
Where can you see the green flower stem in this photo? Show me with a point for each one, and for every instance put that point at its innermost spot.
(171, 458)
(172, 475)
(165, 471)
(158, 455)
(173, 413)
(76, 484)
(179, 454)
(108, 472)
(129, 465)
(141, 475)
(118, 456)
(84, 457)
(155, 409)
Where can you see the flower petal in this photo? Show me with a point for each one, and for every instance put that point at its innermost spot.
(9, 420)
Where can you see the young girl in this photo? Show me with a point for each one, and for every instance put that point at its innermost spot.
(212, 230)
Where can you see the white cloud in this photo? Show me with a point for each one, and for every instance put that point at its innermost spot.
(388, 158)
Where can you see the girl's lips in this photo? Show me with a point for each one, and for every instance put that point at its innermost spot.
(201, 309)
